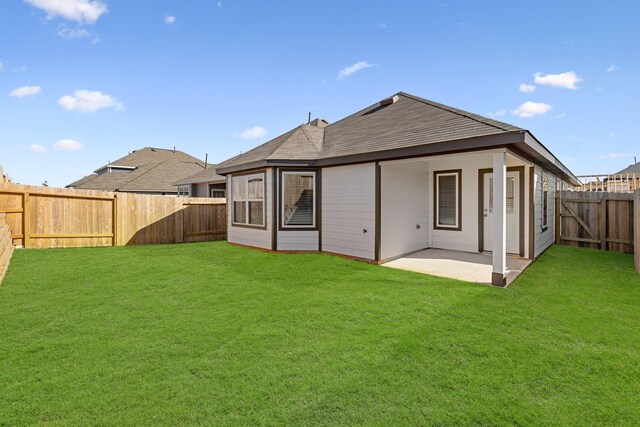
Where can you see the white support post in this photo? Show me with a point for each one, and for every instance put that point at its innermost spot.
(499, 272)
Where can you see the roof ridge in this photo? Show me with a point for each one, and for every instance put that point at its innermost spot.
(321, 129)
(453, 110)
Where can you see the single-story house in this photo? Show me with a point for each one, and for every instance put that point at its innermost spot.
(145, 171)
(204, 183)
(401, 175)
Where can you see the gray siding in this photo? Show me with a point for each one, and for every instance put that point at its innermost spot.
(200, 190)
(348, 209)
(543, 238)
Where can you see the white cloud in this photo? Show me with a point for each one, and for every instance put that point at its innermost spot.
(20, 69)
(74, 10)
(498, 113)
(87, 101)
(37, 148)
(25, 91)
(1, 66)
(613, 156)
(526, 88)
(73, 33)
(612, 68)
(612, 134)
(346, 72)
(251, 133)
(219, 4)
(531, 109)
(567, 80)
(68, 145)
(169, 19)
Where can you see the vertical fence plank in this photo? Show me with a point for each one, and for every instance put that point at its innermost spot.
(603, 224)
(114, 220)
(26, 220)
(636, 228)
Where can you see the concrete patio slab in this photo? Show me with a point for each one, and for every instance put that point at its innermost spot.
(470, 267)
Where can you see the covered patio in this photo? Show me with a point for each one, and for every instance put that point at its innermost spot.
(466, 266)
(475, 207)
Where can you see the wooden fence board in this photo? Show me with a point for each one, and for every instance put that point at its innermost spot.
(42, 217)
(597, 220)
(636, 229)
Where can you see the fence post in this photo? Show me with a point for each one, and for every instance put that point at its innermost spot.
(636, 229)
(26, 220)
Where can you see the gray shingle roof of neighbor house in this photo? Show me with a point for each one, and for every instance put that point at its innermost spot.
(145, 170)
(208, 175)
(634, 168)
(400, 126)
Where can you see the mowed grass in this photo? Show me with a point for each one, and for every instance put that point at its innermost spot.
(219, 335)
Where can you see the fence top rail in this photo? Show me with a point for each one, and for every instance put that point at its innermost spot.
(609, 175)
(570, 195)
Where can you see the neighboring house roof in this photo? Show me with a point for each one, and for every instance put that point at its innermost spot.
(634, 168)
(155, 170)
(207, 175)
(399, 126)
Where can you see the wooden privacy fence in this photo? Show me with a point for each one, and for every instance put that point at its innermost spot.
(44, 217)
(599, 220)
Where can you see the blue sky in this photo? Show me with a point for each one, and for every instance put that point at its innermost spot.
(85, 82)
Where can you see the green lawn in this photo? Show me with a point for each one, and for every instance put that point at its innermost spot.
(219, 335)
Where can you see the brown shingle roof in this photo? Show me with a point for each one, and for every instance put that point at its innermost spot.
(407, 122)
(156, 170)
(206, 175)
(301, 143)
(634, 168)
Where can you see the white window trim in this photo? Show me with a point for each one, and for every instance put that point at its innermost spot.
(246, 179)
(545, 198)
(313, 223)
(183, 193)
(224, 191)
(457, 210)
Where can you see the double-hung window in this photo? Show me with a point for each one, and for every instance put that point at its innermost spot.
(248, 199)
(447, 203)
(298, 199)
(183, 190)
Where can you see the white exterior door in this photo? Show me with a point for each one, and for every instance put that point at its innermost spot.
(513, 212)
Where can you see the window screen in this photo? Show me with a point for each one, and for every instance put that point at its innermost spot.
(298, 203)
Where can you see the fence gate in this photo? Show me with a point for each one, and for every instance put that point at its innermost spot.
(596, 220)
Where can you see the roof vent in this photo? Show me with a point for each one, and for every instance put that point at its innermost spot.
(319, 123)
(389, 101)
